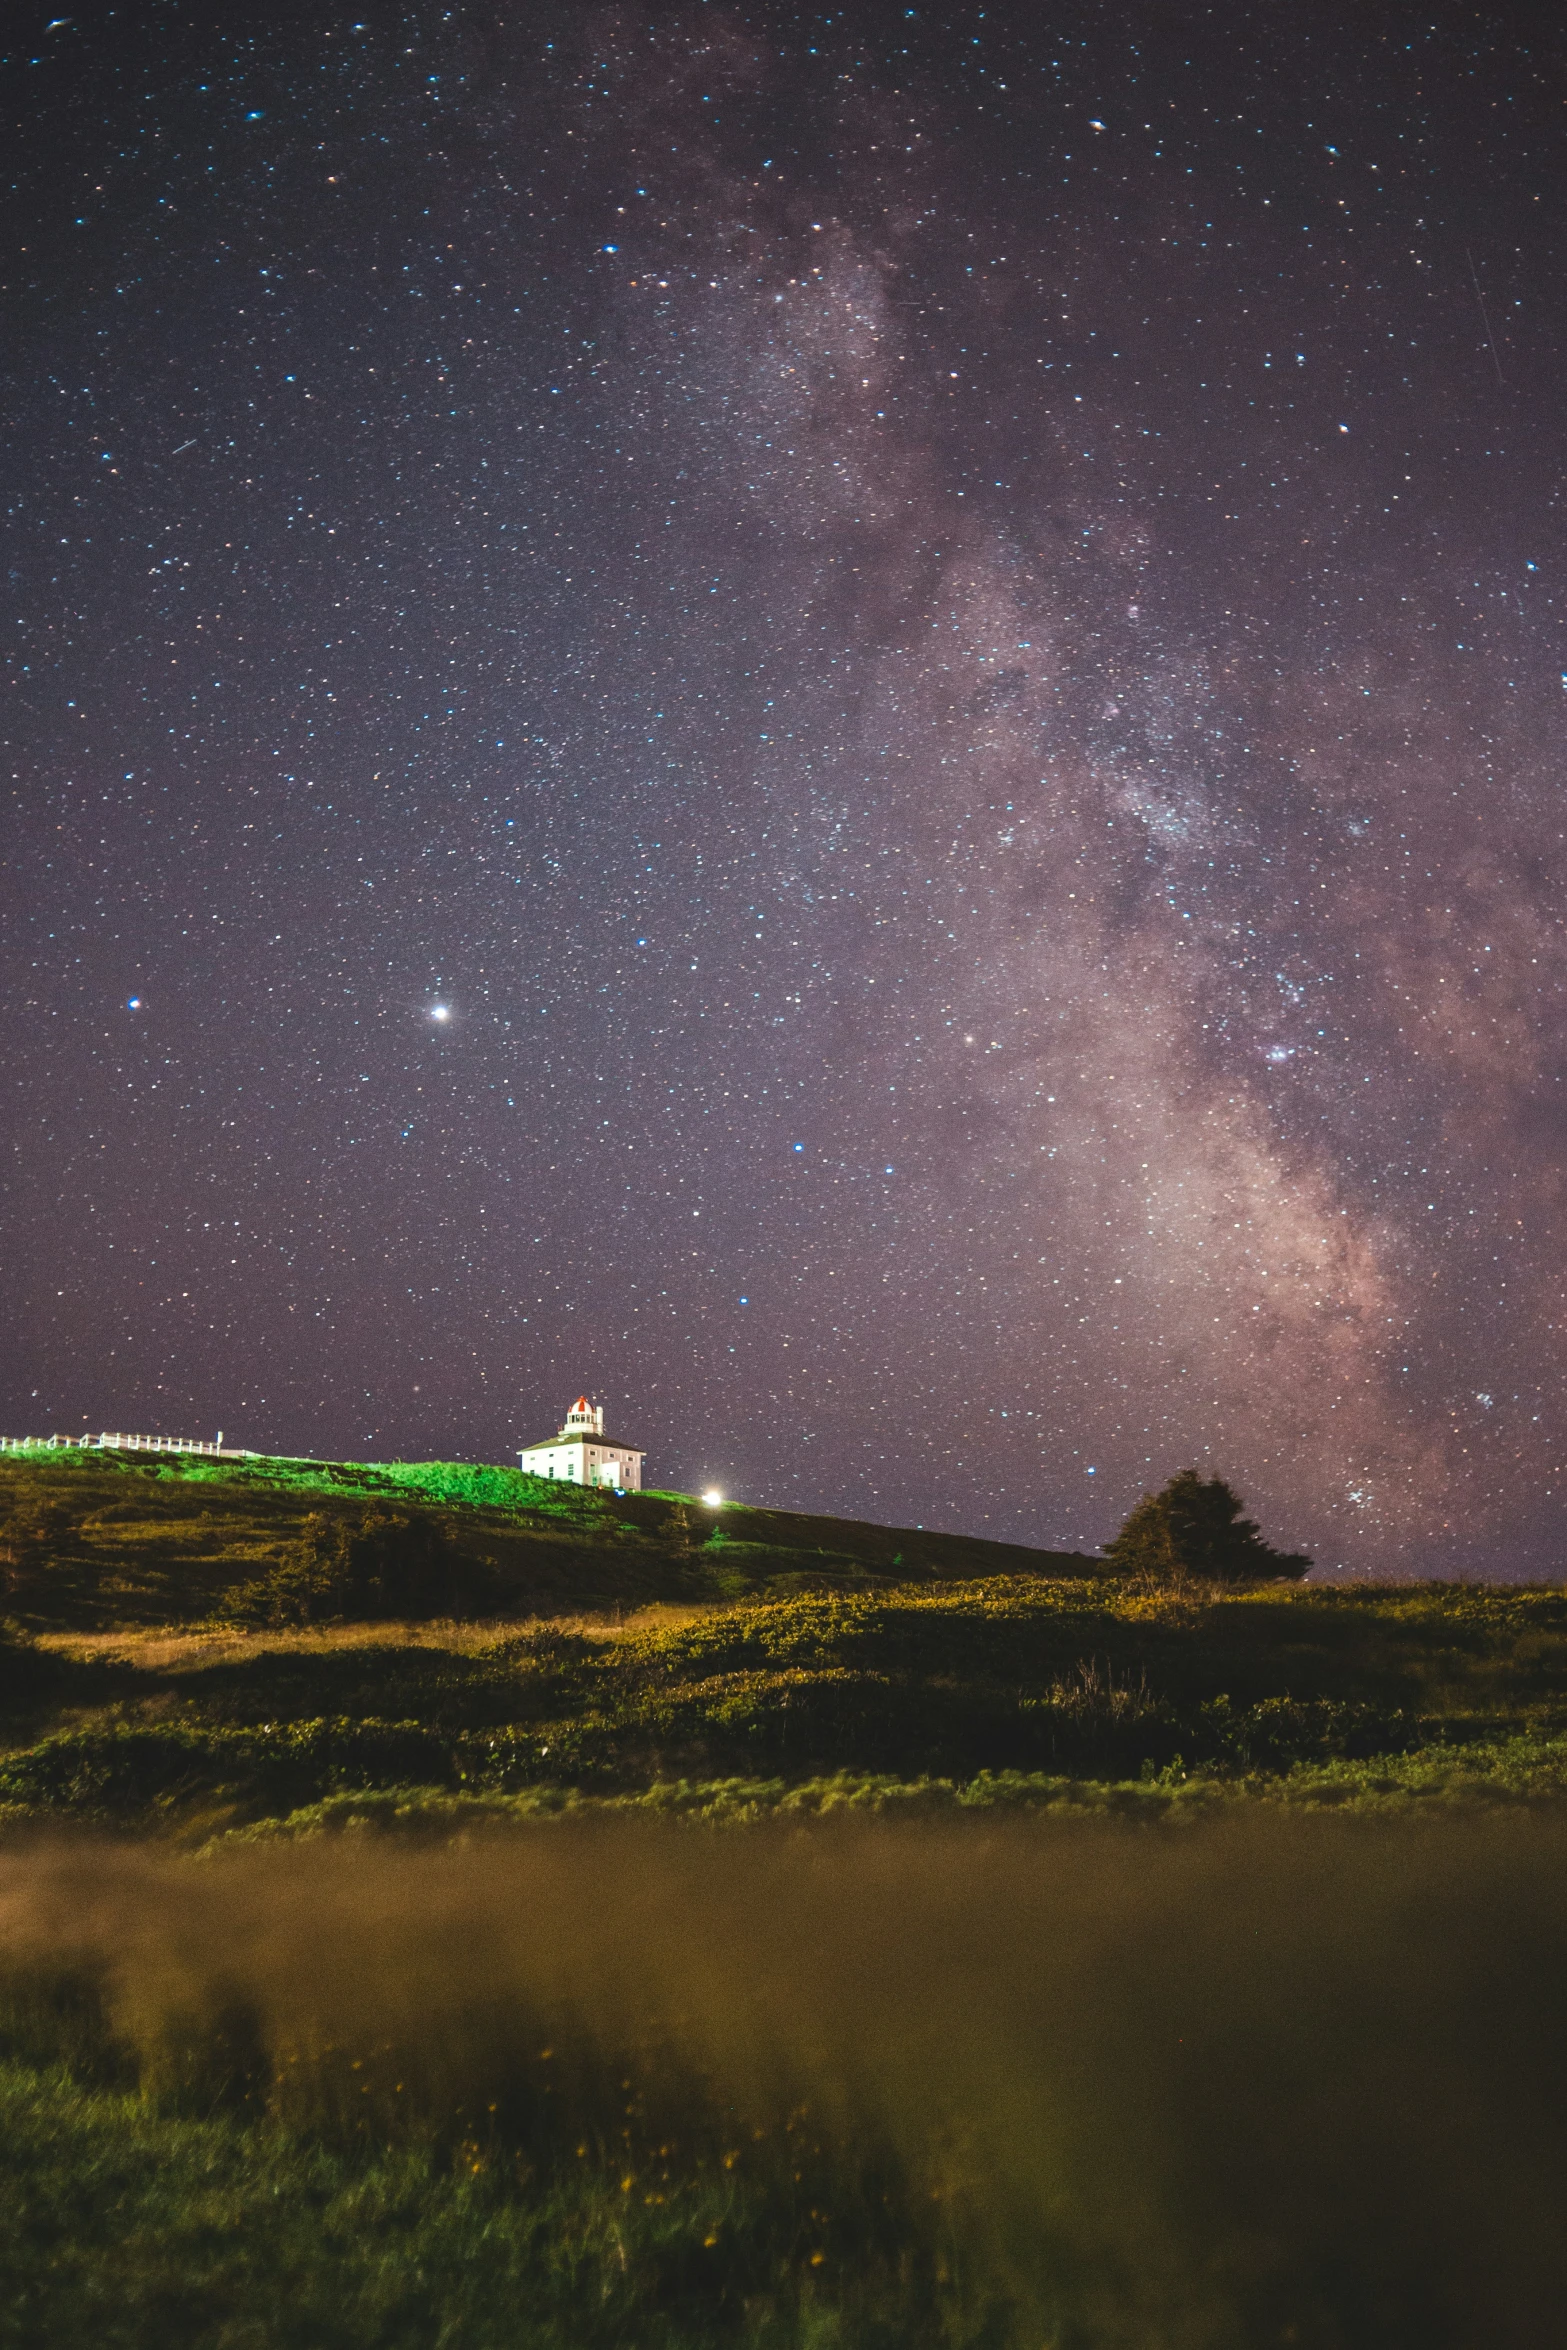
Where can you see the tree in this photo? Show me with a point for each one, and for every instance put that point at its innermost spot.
(1193, 1528)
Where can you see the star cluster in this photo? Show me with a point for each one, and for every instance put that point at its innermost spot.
(847, 724)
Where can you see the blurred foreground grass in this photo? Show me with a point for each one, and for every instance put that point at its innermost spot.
(127, 2226)
(1284, 2079)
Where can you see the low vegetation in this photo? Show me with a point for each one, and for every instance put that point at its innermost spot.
(441, 1909)
(1024, 1683)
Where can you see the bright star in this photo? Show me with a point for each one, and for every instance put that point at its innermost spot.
(440, 1011)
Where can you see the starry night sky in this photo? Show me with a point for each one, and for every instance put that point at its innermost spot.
(938, 632)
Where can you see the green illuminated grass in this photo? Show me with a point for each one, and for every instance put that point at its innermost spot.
(94, 1540)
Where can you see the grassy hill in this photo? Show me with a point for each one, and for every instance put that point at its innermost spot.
(96, 1540)
(213, 1645)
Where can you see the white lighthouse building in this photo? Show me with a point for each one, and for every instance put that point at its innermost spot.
(583, 1454)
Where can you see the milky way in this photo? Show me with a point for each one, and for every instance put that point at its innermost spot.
(847, 725)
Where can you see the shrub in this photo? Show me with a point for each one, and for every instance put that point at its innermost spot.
(31, 1534)
(29, 1675)
(383, 1564)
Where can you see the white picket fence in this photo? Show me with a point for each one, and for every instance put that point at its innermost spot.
(116, 1441)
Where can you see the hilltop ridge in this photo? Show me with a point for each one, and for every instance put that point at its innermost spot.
(100, 1540)
(221, 1644)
